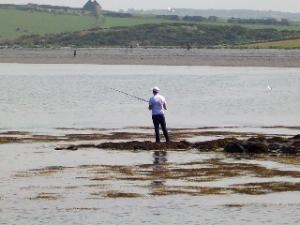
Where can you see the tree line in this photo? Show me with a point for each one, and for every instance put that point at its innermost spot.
(269, 21)
(188, 18)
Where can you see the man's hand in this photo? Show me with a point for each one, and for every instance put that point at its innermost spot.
(165, 106)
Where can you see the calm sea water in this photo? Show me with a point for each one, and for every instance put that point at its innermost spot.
(43, 97)
(49, 96)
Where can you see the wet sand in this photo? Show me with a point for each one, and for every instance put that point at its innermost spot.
(143, 56)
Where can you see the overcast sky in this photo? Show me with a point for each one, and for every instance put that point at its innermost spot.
(278, 5)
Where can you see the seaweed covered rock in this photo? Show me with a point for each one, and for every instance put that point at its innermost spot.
(234, 147)
(274, 145)
(252, 147)
(256, 147)
(297, 137)
(213, 145)
(132, 145)
(147, 145)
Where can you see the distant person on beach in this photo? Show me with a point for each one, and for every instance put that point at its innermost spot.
(188, 46)
(75, 53)
(158, 104)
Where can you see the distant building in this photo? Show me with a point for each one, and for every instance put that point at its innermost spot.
(93, 7)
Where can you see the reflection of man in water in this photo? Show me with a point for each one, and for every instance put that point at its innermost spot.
(159, 157)
(159, 166)
(158, 104)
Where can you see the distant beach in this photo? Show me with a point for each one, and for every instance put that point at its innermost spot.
(152, 56)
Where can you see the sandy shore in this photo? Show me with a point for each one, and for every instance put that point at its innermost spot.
(141, 56)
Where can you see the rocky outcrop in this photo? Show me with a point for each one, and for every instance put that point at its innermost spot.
(246, 147)
(275, 145)
(257, 145)
(132, 145)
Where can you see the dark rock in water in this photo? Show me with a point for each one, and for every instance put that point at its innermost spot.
(256, 147)
(212, 145)
(288, 150)
(285, 146)
(70, 147)
(235, 147)
(246, 147)
(73, 148)
(297, 144)
(158, 182)
(276, 146)
(146, 145)
(297, 137)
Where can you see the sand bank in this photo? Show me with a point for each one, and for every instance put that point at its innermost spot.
(142, 56)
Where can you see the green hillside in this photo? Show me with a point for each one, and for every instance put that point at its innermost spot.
(165, 34)
(15, 23)
(68, 26)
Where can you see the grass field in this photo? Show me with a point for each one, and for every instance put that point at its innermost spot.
(15, 23)
(286, 44)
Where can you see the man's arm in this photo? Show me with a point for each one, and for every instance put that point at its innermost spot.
(150, 105)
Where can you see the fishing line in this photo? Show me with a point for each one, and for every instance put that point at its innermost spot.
(129, 95)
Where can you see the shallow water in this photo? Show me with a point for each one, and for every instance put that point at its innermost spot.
(42, 98)
(76, 202)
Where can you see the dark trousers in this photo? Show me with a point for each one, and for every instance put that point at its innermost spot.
(160, 120)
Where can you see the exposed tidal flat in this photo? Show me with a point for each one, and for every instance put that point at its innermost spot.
(109, 185)
(72, 151)
(155, 56)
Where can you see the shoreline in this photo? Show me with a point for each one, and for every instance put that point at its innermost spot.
(153, 56)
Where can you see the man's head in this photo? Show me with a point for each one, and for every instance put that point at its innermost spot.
(155, 90)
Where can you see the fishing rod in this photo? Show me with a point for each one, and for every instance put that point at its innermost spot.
(129, 95)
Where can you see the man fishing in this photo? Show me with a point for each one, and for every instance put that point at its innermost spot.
(158, 104)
